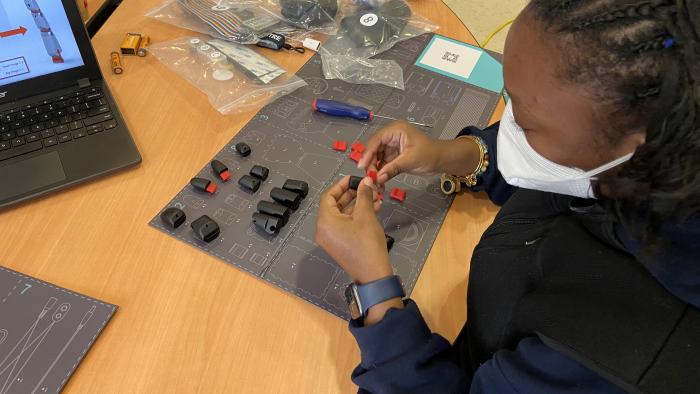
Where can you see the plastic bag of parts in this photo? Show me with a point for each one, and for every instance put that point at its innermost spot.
(370, 29)
(321, 16)
(237, 21)
(235, 77)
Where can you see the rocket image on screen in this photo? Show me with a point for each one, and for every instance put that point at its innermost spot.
(37, 39)
(53, 48)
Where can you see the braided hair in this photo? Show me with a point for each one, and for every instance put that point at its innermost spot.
(641, 60)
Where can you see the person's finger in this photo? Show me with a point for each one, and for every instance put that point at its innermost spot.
(349, 209)
(374, 162)
(390, 155)
(392, 169)
(367, 161)
(329, 199)
(376, 144)
(346, 199)
(364, 203)
(368, 157)
(372, 148)
(372, 167)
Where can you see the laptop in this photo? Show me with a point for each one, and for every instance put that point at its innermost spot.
(59, 124)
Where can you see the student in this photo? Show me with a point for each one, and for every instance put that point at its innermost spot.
(589, 278)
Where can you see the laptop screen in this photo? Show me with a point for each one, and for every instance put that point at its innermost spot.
(35, 40)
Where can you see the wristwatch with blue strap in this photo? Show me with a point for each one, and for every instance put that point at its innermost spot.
(362, 297)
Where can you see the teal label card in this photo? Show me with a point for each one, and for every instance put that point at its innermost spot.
(463, 62)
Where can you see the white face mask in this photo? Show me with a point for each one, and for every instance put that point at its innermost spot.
(522, 166)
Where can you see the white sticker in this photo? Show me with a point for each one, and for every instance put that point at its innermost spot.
(451, 57)
(369, 19)
(312, 44)
(222, 75)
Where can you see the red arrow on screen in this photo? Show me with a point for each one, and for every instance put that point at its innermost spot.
(14, 32)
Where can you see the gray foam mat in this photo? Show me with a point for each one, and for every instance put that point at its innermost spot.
(295, 143)
(45, 331)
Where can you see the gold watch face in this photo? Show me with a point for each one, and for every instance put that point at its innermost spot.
(448, 185)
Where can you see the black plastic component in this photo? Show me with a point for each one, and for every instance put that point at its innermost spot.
(218, 166)
(205, 229)
(243, 149)
(285, 197)
(299, 187)
(268, 223)
(260, 172)
(220, 170)
(355, 182)
(389, 242)
(203, 185)
(173, 217)
(249, 183)
(385, 25)
(307, 13)
(273, 41)
(276, 42)
(274, 209)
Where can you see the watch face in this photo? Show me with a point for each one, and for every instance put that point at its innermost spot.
(353, 305)
(349, 294)
(449, 185)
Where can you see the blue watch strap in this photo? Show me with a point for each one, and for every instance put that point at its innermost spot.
(380, 290)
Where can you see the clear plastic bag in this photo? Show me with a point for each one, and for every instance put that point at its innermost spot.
(237, 21)
(312, 15)
(370, 29)
(235, 77)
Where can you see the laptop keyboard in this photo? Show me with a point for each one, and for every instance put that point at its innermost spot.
(54, 121)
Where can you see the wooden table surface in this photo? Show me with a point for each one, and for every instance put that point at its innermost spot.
(93, 7)
(188, 322)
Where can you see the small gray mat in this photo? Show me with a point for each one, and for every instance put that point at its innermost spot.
(45, 331)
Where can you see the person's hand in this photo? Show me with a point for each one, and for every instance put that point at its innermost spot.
(352, 235)
(400, 148)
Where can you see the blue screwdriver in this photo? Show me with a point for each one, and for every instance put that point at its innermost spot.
(336, 108)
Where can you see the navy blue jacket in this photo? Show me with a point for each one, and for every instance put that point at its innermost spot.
(401, 355)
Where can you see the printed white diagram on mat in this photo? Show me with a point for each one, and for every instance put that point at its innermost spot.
(44, 333)
(35, 39)
(13, 364)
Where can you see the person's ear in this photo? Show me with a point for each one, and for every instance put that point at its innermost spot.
(633, 141)
(639, 137)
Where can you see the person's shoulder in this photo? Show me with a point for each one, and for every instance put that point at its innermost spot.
(677, 262)
(683, 235)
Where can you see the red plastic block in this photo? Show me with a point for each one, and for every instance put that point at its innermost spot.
(358, 147)
(340, 146)
(398, 194)
(356, 156)
(372, 174)
(225, 175)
